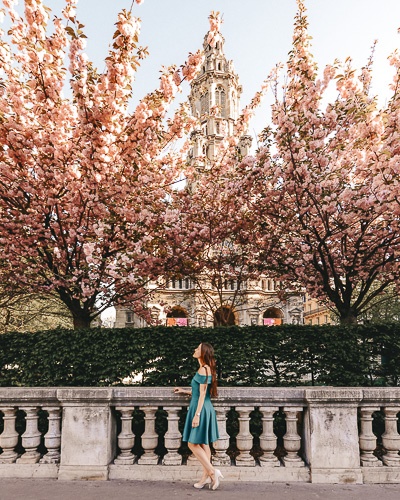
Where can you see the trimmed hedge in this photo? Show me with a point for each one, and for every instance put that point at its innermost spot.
(250, 356)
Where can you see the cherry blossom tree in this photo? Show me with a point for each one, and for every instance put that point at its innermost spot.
(329, 172)
(212, 243)
(83, 180)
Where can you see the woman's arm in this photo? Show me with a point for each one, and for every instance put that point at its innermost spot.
(196, 418)
(203, 392)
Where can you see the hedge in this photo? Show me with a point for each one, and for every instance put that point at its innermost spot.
(251, 356)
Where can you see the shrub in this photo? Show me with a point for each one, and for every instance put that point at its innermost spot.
(250, 356)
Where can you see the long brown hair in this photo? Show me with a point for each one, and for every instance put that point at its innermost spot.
(207, 355)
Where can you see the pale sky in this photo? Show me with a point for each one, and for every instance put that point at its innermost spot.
(257, 34)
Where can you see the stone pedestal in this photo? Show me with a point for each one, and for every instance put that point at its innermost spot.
(292, 440)
(126, 438)
(172, 439)
(391, 438)
(9, 437)
(368, 438)
(244, 439)
(88, 439)
(149, 437)
(332, 445)
(52, 439)
(268, 440)
(221, 458)
(31, 437)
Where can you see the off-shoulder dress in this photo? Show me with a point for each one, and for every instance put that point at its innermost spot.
(207, 431)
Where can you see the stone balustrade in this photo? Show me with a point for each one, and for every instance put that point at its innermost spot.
(317, 434)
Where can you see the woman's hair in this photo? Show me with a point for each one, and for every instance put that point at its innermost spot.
(207, 355)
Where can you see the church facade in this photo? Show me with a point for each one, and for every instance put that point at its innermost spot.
(180, 302)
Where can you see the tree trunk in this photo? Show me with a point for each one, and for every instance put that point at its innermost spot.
(81, 322)
(348, 318)
(81, 315)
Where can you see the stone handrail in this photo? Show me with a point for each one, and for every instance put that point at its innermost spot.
(86, 433)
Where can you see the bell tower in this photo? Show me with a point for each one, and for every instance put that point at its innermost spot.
(214, 99)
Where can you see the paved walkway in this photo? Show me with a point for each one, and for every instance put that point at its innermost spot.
(43, 489)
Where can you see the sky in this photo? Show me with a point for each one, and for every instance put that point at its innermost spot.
(258, 35)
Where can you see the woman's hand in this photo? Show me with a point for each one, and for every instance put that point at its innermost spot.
(179, 390)
(195, 421)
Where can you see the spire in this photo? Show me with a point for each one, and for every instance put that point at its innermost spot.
(214, 95)
(214, 55)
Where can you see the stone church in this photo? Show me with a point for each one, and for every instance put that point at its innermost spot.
(179, 302)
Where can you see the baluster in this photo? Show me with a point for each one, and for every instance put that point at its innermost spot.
(268, 440)
(31, 437)
(220, 446)
(9, 436)
(149, 437)
(292, 440)
(367, 438)
(244, 440)
(192, 460)
(173, 438)
(391, 438)
(126, 438)
(52, 438)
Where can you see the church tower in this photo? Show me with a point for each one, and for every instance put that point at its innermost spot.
(214, 99)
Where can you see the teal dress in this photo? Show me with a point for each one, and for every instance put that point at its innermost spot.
(207, 431)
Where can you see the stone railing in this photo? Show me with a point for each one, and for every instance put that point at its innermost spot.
(327, 435)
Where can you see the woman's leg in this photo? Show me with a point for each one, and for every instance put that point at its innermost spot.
(203, 456)
(207, 451)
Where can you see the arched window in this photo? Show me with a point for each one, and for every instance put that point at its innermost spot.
(224, 316)
(272, 316)
(220, 101)
(177, 312)
(177, 316)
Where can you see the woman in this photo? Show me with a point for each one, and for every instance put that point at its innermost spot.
(201, 426)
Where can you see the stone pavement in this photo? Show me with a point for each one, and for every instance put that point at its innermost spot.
(44, 489)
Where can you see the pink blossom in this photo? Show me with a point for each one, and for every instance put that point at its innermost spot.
(94, 172)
